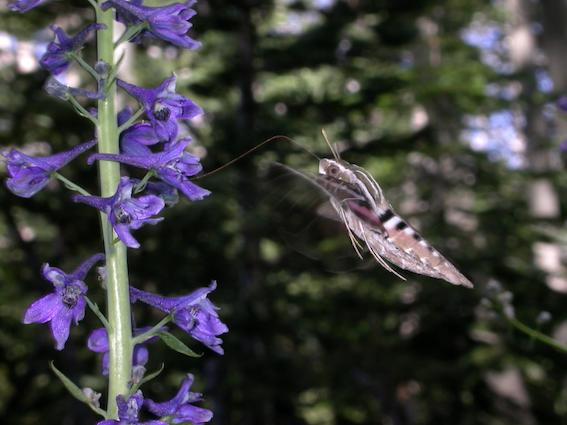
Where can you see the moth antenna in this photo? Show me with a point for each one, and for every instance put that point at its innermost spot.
(249, 151)
(333, 151)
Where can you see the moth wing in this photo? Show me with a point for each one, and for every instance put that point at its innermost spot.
(326, 210)
(432, 263)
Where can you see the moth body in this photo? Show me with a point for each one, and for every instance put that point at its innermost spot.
(360, 203)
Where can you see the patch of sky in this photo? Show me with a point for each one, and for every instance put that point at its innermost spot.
(544, 81)
(499, 135)
(25, 54)
(488, 38)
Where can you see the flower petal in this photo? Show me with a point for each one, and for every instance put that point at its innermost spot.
(43, 310)
(98, 341)
(123, 232)
(60, 326)
(195, 415)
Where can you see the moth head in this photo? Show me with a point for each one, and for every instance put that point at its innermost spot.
(337, 169)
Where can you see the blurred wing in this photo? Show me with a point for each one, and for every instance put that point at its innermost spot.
(327, 211)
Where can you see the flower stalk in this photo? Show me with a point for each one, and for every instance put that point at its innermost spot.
(118, 299)
(125, 204)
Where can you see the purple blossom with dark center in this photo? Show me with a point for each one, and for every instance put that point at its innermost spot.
(169, 23)
(179, 409)
(66, 304)
(193, 313)
(128, 412)
(163, 106)
(28, 175)
(98, 343)
(124, 212)
(23, 6)
(173, 165)
(58, 55)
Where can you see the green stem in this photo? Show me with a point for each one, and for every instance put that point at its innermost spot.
(537, 335)
(94, 5)
(70, 185)
(140, 339)
(142, 185)
(84, 65)
(129, 33)
(131, 120)
(114, 71)
(94, 308)
(82, 111)
(117, 290)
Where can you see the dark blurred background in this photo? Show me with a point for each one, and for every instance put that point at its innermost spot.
(451, 105)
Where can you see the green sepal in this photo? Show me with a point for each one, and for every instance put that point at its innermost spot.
(145, 379)
(176, 344)
(75, 391)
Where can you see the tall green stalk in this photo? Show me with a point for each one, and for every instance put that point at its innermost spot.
(118, 299)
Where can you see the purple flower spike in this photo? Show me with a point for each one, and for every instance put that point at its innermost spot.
(174, 166)
(66, 304)
(169, 23)
(179, 409)
(57, 57)
(23, 6)
(28, 175)
(125, 212)
(163, 106)
(193, 313)
(98, 343)
(128, 412)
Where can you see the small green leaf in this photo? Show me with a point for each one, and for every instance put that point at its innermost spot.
(96, 310)
(70, 385)
(75, 390)
(146, 378)
(175, 344)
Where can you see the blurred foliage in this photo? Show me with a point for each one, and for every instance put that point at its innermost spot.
(317, 337)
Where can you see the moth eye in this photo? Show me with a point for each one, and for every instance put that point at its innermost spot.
(333, 171)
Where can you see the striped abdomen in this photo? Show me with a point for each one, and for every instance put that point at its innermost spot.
(402, 245)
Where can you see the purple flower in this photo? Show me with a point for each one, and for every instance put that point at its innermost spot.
(141, 133)
(23, 6)
(193, 313)
(169, 23)
(128, 412)
(58, 55)
(163, 106)
(179, 409)
(66, 304)
(57, 89)
(28, 175)
(125, 212)
(174, 166)
(98, 343)
(164, 191)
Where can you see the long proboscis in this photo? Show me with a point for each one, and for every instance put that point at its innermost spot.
(255, 148)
